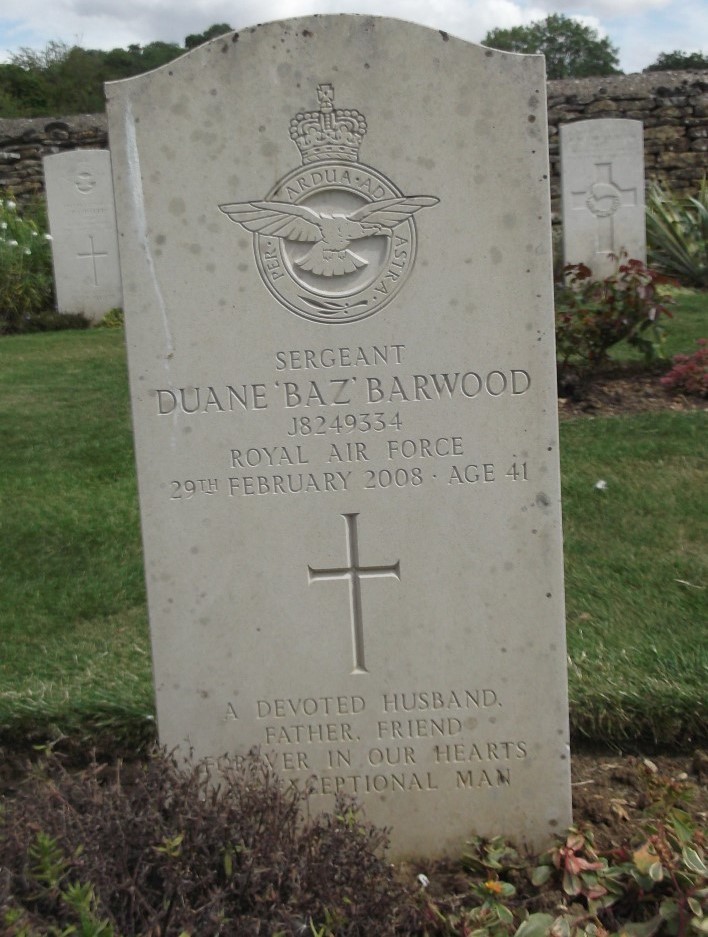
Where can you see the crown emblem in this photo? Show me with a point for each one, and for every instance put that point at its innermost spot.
(329, 133)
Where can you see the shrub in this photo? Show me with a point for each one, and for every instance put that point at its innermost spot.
(176, 852)
(593, 315)
(677, 234)
(689, 375)
(26, 274)
(26, 280)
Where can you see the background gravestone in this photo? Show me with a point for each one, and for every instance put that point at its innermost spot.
(82, 222)
(602, 185)
(336, 257)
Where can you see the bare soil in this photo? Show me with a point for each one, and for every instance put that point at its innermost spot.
(612, 793)
(622, 390)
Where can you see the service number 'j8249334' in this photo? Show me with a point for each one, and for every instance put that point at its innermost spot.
(344, 423)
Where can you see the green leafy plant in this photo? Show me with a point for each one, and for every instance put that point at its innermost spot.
(26, 282)
(689, 373)
(70, 905)
(593, 315)
(113, 319)
(677, 233)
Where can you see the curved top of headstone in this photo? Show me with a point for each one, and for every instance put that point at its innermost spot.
(360, 28)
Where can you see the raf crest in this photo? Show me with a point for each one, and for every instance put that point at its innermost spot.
(334, 239)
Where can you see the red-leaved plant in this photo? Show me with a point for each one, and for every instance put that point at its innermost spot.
(689, 375)
(593, 315)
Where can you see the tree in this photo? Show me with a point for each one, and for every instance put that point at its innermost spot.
(63, 79)
(678, 60)
(196, 39)
(572, 50)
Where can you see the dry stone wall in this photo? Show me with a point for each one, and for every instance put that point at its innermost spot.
(673, 107)
(24, 142)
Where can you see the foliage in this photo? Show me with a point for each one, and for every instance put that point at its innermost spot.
(593, 315)
(185, 848)
(193, 848)
(657, 887)
(26, 276)
(667, 61)
(69, 79)
(677, 233)
(572, 49)
(26, 282)
(690, 372)
(196, 39)
(113, 319)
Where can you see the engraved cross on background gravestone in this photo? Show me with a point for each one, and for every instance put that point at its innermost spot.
(355, 573)
(93, 254)
(604, 199)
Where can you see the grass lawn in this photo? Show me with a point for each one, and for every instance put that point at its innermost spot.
(72, 597)
(75, 651)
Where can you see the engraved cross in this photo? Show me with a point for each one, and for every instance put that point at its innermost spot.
(604, 198)
(354, 572)
(93, 254)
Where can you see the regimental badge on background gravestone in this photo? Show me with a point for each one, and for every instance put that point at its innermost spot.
(334, 239)
(339, 320)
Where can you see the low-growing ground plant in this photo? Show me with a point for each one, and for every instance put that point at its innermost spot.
(193, 849)
(677, 233)
(689, 373)
(113, 319)
(163, 848)
(594, 315)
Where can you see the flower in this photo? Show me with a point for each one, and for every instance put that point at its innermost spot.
(3, 225)
(27, 251)
(494, 887)
(48, 237)
(10, 205)
(12, 243)
(601, 485)
(424, 880)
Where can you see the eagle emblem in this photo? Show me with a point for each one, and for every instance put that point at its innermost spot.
(334, 240)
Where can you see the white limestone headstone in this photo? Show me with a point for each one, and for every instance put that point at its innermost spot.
(336, 257)
(82, 222)
(602, 185)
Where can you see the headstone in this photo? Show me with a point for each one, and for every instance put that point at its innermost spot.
(82, 222)
(602, 184)
(336, 257)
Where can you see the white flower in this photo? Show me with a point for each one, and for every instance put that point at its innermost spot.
(48, 237)
(3, 225)
(11, 205)
(34, 234)
(424, 880)
(601, 485)
(27, 250)
(12, 243)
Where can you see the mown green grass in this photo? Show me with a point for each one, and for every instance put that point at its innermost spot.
(637, 576)
(74, 656)
(73, 625)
